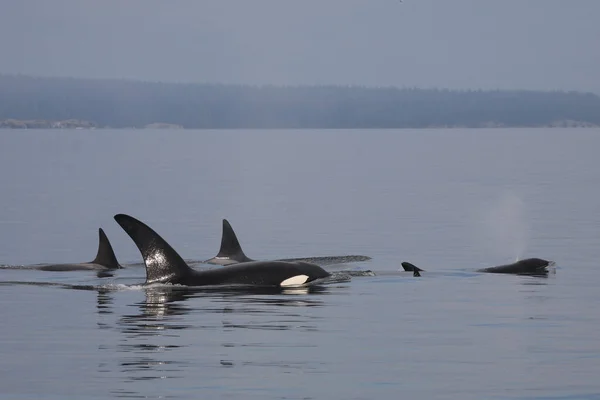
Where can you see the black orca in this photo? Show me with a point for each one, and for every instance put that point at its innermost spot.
(164, 265)
(231, 252)
(528, 266)
(105, 259)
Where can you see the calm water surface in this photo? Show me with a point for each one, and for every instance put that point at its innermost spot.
(449, 201)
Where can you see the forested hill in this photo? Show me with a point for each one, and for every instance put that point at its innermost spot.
(121, 103)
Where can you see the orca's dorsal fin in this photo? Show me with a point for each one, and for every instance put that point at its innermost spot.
(230, 246)
(106, 256)
(410, 267)
(163, 264)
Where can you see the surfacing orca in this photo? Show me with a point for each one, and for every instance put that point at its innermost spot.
(528, 266)
(105, 259)
(164, 265)
(231, 252)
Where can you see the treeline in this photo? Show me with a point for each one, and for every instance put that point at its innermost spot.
(122, 103)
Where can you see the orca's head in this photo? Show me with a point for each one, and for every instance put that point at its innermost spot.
(536, 264)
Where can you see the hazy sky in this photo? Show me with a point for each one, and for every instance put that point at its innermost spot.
(532, 44)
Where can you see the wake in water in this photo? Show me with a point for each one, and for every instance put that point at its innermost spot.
(330, 260)
(17, 267)
(322, 261)
(112, 287)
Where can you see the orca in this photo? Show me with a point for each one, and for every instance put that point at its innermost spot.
(105, 259)
(165, 265)
(231, 252)
(528, 266)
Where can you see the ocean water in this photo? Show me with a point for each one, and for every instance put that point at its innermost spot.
(449, 201)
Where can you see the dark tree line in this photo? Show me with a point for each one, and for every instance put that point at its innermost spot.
(122, 103)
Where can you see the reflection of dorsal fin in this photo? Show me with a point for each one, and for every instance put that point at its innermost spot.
(163, 264)
(106, 255)
(230, 246)
(410, 267)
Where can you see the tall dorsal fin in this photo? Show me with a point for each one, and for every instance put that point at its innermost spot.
(410, 267)
(163, 264)
(106, 256)
(230, 246)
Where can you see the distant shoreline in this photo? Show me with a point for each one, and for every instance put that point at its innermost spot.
(13, 124)
(72, 103)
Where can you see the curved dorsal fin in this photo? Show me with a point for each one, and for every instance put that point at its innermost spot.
(230, 246)
(163, 264)
(106, 256)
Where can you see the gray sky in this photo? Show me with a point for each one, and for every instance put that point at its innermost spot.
(530, 44)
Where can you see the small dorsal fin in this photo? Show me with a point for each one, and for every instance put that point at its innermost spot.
(163, 264)
(106, 256)
(410, 267)
(230, 246)
(416, 272)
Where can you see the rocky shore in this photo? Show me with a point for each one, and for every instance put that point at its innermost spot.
(45, 124)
